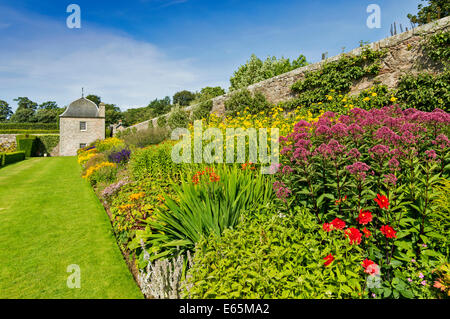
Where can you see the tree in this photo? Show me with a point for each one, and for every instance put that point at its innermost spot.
(209, 92)
(48, 115)
(430, 10)
(160, 107)
(94, 98)
(50, 105)
(25, 103)
(183, 98)
(255, 70)
(5, 111)
(23, 115)
(112, 114)
(137, 115)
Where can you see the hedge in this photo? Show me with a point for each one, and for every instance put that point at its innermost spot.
(10, 158)
(29, 126)
(17, 131)
(46, 143)
(27, 143)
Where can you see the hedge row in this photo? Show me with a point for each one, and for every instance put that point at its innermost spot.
(28, 126)
(36, 145)
(17, 131)
(10, 158)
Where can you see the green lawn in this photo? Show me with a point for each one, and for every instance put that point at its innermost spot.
(50, 218)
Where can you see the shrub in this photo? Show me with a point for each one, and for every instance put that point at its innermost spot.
(16, 131)
(178, 118)
(108, 144)
(375, 169)
(337, 76)
(155, 162)
(103, 172)
(93, 160)
(29, 126)
(279, 256)
(242, 99)
(143, 138)
(255, 70)
(27, 143)
(210, 203)
(161, 121)
(46, 143)
(425, 91)
(437, 46)
(202, 110)
(10, 158)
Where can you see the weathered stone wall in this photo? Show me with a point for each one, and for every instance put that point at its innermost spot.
(404, 55)
(71, 137)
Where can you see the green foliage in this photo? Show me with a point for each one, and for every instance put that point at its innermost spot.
(202, 110)
(137, 115)
(275, 256)
(105, 174)
(46, 143)
(430, 11)
(242, 99)
(160, 106)
(94, 98)
(161, 121)
(15, 131)
(425, 91)
(109, 144)
(5, 111)
(437, 46)
(337, 76)
(23, 116)
(10, 158)
(255, 70)
(183, 98)
(28, 126)
(178, 118)
(47, 115)
(143, 138)
(209, 204)
(154, 162)
(27, 143)
(112, 114)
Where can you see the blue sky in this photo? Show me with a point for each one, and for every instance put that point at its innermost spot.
(130, 52)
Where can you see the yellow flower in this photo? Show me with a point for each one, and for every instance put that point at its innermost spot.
(137, 196)
(374, 94)
(366, 99)
(393, 99)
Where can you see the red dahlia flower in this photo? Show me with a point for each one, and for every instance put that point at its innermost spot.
(366, 232)
(338, 223)
(364, 217)
(328, 260)
(370, 267)
(354, 235)
(382, 201)
(388, 231)
(327, 227)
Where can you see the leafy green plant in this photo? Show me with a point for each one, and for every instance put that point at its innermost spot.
(242, 99)
(178, 118)
(425, 91)
(202, 110)
(275, 256)
(161, 121)
(210, 203)
(337, 76)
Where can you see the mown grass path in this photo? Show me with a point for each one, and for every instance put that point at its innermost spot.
(50, 218)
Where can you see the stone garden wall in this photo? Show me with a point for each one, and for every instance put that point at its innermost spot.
(404, 55)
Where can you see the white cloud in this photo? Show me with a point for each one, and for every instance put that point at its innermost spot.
(54, 62)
